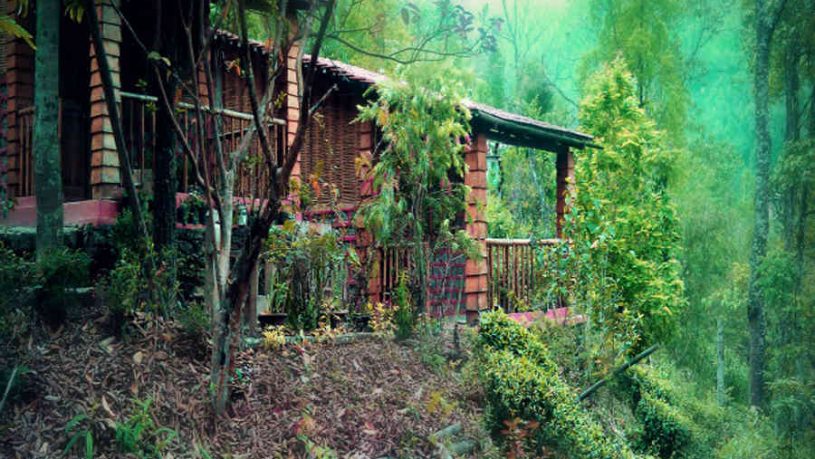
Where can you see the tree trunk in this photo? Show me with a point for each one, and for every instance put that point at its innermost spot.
(720, 390)
(755, 309)
(791, 134)
(47, 161)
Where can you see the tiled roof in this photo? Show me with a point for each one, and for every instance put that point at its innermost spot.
(510, 127)
(369, 77)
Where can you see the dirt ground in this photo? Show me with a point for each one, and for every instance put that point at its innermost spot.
(371, 397)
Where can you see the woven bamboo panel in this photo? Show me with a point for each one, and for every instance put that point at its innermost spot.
(330, 151)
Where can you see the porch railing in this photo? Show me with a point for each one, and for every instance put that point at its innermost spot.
(25, 151)
(515, 271)
(139, 122)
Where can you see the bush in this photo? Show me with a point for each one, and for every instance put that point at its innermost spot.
(521, 381)
(312, 264)
(57, 272)
(195, 321)
(403, 317)
(16, 283)
(46, 282)
(664, 428)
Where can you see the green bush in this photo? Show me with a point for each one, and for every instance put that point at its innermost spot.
(17, 277)
(404, 317)
(47, 283)
(123, 285)
(312, 264)
(664, 429)
(58, 271)
(194, 320)
(140, 435)
(521, 381)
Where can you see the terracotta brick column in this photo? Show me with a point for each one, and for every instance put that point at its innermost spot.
(105, 178)
(565, 185)
(292, 104)
(475, 271)
(19, 79)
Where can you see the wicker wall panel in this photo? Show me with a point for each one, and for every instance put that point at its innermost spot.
(331, 149)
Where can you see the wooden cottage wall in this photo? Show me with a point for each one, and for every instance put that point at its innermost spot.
(19, 80)
(331, 149)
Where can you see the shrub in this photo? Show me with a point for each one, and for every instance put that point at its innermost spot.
(123, 285)
(403, 317)
(312, 263)
(195, 321)
(664, 428)
(519, 387)
(521, 381)
(58, 271)
(17, 279)
(140, 435)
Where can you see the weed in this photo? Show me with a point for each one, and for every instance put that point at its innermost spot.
(404, 317)
(78, 430)
(274, 337)
(140, 435)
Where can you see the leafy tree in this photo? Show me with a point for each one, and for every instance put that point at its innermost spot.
(766, 15)
(623, 227)
(419, 170)
(643, 33)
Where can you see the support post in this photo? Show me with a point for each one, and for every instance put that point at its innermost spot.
(475, 271)
(565, 185)
(105, 177)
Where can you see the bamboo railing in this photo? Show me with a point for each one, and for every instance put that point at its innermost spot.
(514, 271)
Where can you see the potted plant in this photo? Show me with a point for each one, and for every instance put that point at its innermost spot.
(336, 316)
(274, 313)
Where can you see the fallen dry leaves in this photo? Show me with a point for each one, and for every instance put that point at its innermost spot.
(367, 398)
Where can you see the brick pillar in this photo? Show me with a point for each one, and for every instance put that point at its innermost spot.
(19, 79)
(475, 271)
(565, 185)
(203, 89)
(105, 178)
(292, 104)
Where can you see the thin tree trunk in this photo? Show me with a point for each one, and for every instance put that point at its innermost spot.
(720, 389)
(755, 309)
(113, 113)
(165, 183)
(47, 160)
(792, 133)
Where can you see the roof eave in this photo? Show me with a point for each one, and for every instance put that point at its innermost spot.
(524, 135)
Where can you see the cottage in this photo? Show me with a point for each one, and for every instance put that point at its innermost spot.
(91, 169)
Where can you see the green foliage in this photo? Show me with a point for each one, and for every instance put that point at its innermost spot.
(521, 381)
(80, 433)
(403, 318)
(140, 435)
(642, 33)
(57, 272)
(419, 171)
(16, 274)
(622, 226)
(124, 286)
(311, 266)
(522, 197)
(663, 428)
(195, 321)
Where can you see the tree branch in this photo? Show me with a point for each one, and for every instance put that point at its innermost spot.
(593, 388)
